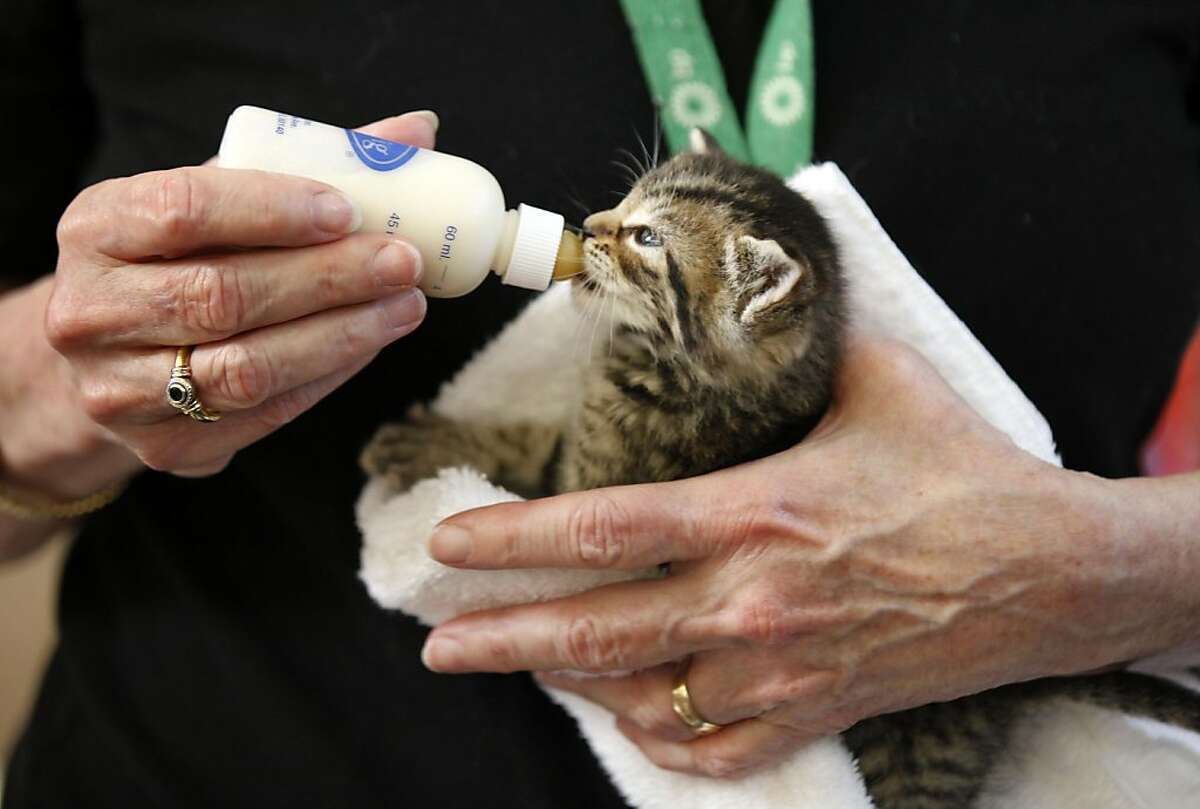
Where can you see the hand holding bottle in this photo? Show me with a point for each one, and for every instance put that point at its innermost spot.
(450, 209)
(262, 272)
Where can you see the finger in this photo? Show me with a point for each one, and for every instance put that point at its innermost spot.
(729, 685)
(209, 298)
(643, 698)
(618, 627)
(246, 371)
(724, 686)
(180, 211)
(875, 373)
(733, 752)
(417, 128)
(624, 527)
(189, 449)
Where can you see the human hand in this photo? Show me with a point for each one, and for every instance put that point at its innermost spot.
(258, 270)
(905, 552)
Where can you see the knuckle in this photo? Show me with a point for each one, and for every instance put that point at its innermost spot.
(283, 409)
(101, 402)
(720, 765)
(598, 531)
(73, 225)
(500, 653)
(174, 203)
(241, 377)
(903, 360)
(328, 274)
(78, 226)
(212, 299)
(65, 325)
(586, 646)
(762, 617)
(764, 524)
(781, 688)
(889, 358)
(357, 337)
(657, 720)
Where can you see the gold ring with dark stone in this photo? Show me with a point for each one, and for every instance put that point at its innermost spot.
(181, 391)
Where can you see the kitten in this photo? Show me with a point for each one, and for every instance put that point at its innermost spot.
(725, 295)
(727, 307)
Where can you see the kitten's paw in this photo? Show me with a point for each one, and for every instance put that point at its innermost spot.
(403, 453)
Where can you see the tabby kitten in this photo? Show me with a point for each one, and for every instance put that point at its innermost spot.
(726, 300)
(725, 295)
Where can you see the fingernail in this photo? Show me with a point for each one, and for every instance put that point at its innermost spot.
(450, 545)
(430, 116)
(397, 264)
(405, 310)
(335, 213)
(441, 654)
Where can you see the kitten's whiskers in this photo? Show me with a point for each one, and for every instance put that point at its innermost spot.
(591, 310)
(574, 199)
(595, 324)
(657, 136)
(631, 175)
(612, 307)
(647, 161)
(635, 161)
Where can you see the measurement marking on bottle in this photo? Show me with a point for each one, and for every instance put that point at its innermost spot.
(447, 238)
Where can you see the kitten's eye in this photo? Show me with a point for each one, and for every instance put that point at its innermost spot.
(647, 237)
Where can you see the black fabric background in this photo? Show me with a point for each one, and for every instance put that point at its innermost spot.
(1038, 163)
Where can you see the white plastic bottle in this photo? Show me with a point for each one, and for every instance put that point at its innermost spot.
(451, 209)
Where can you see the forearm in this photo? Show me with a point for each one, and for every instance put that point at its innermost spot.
(1145, 580)
(48, 445)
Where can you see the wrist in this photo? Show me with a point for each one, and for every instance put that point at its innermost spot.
(1141, 582)
(1157, 525)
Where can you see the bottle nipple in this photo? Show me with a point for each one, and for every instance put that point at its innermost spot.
(569, 260)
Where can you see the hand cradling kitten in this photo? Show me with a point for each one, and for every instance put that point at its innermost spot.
(723, 308)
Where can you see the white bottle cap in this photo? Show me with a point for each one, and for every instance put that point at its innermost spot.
(535, 247)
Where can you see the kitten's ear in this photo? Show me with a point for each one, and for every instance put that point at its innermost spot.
(764, 274)
(700, 142)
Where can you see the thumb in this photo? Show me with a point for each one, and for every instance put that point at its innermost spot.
(876, 371)
(415, 128)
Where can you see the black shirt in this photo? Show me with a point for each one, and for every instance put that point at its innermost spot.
(1038, 163)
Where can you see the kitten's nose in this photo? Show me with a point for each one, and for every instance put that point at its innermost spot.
(604, 223)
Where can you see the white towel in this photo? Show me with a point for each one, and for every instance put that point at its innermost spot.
(532, 368)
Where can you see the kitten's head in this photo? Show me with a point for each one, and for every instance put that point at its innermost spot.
(714, 259)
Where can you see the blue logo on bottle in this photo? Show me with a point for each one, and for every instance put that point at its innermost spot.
(379, 154)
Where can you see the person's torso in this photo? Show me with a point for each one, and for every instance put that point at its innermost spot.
(1035, 164)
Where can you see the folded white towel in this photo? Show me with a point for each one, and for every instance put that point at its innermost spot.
(532, 369)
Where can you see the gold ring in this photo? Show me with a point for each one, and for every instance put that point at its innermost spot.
(681, 701)
(181, 391)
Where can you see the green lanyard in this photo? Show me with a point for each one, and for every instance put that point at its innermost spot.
(688, 85)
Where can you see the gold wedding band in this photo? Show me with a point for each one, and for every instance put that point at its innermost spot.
(681, 701)
(181, 391)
